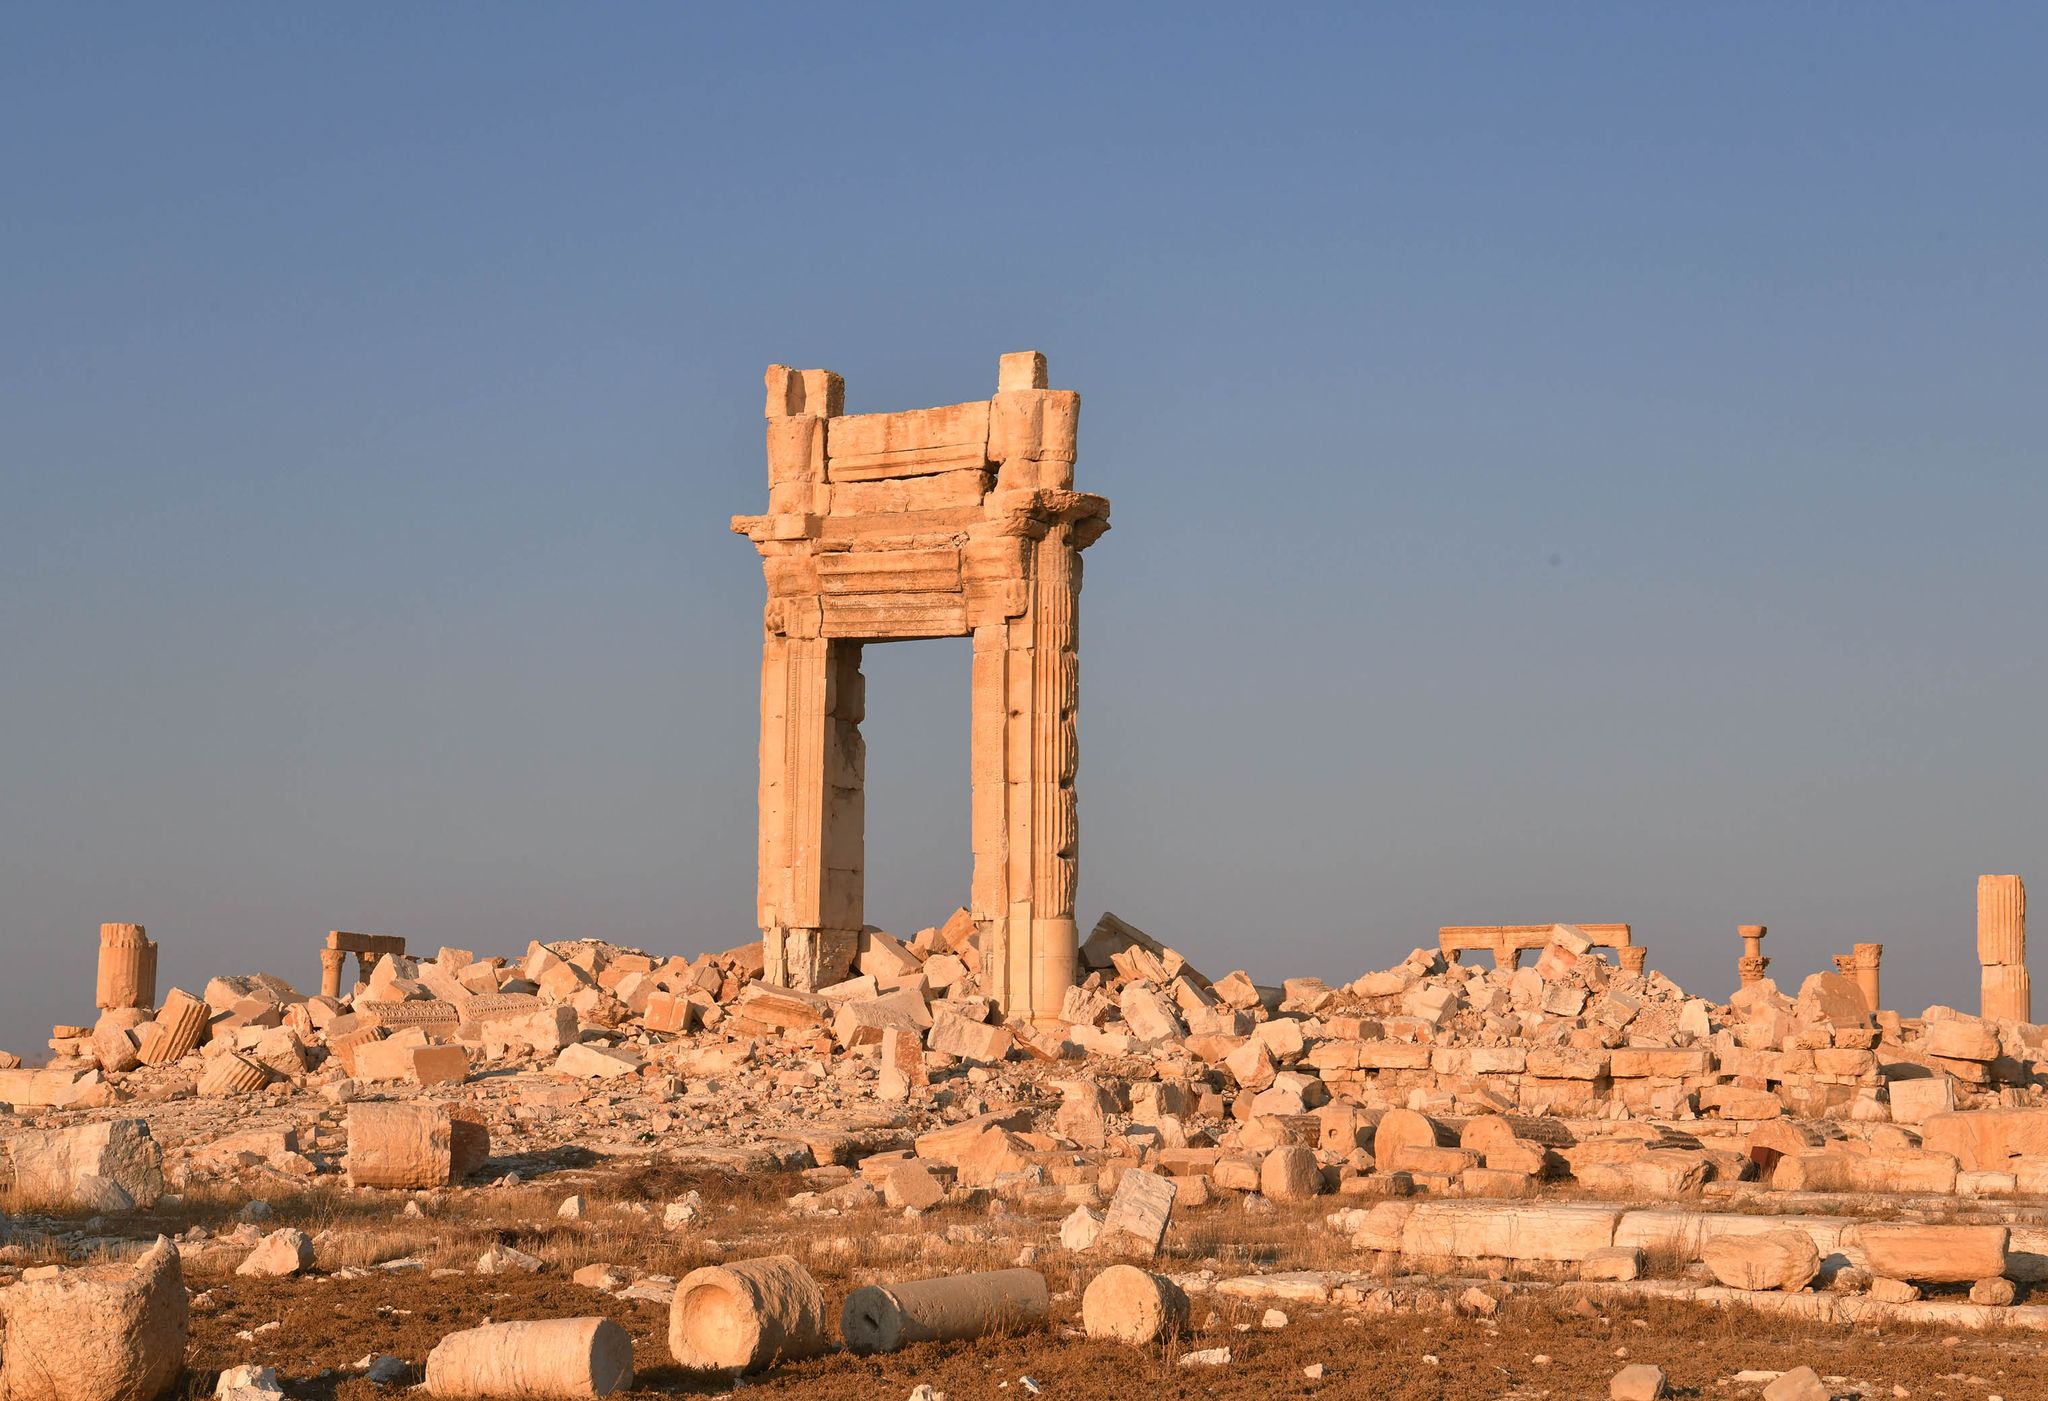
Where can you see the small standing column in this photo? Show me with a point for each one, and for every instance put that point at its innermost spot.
(1845, 964)
(332, 961)
(1868, 957)
(127, 968)
(2002, 948)
(1634, 958)
(1750, 967)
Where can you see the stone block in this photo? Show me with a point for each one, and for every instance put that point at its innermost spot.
(1781, 1260)
(1934, 1254)
(51, 1164)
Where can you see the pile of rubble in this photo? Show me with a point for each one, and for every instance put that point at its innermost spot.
(1432, 1076)
(1484, 1122)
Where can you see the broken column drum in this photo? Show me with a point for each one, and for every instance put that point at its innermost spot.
(554, 1359)
(959, 521)
(955, 1308)
(747, 1315)
(2002, 948)
(127, 969)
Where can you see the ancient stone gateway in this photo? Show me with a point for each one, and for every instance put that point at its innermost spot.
(947, 522)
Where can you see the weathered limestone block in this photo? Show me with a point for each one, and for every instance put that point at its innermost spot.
(1139, 1211)
(883, 1318)
(953, 1142)
(1934, 1254)
(969, 1040)
(176, 1032)
(247, 1383)
(1125, 1304)
(1631, 1062)
(1290, 1174)
(1799, 1384)
(114, 1047)
(1567, 1063)
(1782, 1260)
(1150, 1015)
(1993, 1293)
(98, 1333)
(52, 1165)
(746, 1316)
(1658, 1173)
(1477, 1230)
(1639, 1381)
(1390, 1055)
(1685, 1234)
(1836, 1170)
(1833, 999)
(584, 1061)
(412, 1146)
(1379, 1227)
(1987, 1139)
(1962, 1039)
(1917, 1101)
(281, 1253)
(394, 1059)
(127, 969)
(555, 1359)
(57, 1085)
(1617, 1264)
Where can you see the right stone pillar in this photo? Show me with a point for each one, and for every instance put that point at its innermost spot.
(1022, 577)
(2002, 948)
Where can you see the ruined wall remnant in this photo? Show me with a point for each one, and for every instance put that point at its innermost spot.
(959, 521)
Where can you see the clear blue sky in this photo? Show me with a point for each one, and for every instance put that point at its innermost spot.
(1568, 462)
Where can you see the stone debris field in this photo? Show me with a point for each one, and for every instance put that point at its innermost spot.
(664, 1173)
(993, 1158)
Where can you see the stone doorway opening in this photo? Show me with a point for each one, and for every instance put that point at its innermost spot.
(920, 852)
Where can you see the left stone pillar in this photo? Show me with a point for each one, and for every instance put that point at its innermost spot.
(812, 800)
(127, 968)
